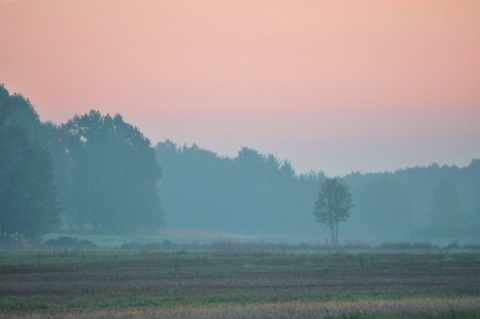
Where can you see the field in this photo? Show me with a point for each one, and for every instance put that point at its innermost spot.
(89, 283)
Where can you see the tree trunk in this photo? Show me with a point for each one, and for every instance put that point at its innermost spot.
(332, 235)
(336, 233)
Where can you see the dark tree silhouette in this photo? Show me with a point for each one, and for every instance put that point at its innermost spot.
(27, 197)
(115, 174)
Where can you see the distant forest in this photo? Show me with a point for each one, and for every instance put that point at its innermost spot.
(258, 194)
(96, 173)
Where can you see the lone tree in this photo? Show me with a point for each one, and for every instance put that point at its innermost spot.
(333, 205)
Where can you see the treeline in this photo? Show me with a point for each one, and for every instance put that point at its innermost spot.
(420, 202)
(258, 194)
(252, 193)
(27, 198)
(94, 173)
(97, 173)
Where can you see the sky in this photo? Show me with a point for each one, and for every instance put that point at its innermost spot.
(331, 85)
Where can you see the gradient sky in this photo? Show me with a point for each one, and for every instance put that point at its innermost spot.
(330, 85)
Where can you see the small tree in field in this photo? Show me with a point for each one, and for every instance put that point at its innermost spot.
(333, 205)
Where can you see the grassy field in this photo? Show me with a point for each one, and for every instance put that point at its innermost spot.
(89, 283)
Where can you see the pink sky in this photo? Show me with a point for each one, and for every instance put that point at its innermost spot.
(330, 85)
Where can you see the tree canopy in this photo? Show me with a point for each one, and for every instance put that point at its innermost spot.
(100, 170)
(383, 204)
(333, 205)
(251, 193)
(446, 208)
(114, 174)
(28, 204)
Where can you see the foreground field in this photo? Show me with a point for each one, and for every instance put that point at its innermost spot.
(117, 284)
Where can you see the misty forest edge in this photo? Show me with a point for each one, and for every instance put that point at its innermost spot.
(98, 174)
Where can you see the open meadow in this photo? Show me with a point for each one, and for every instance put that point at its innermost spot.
(147, 283)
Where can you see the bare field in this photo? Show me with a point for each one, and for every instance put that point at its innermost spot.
(116, 284)
(404, 308)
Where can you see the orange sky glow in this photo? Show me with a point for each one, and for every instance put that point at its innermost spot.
(338, 86)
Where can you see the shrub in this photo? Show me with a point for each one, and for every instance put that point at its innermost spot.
(67, 241)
